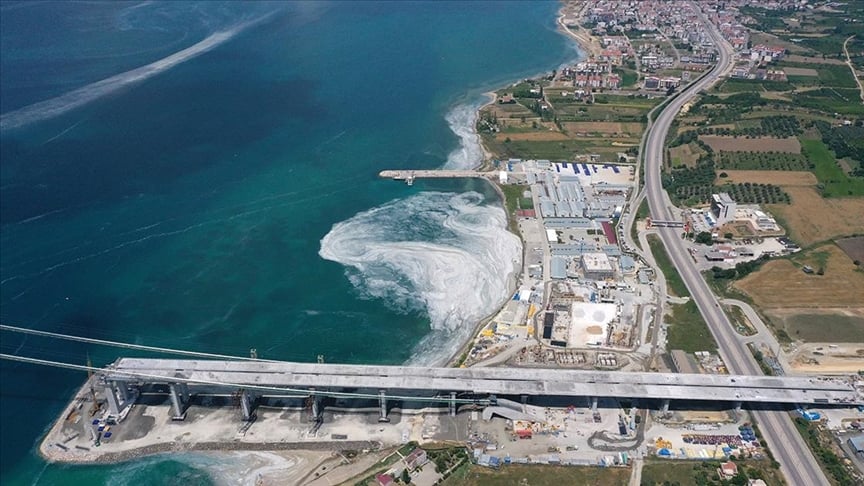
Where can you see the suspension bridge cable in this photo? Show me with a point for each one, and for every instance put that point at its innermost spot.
(139, 347)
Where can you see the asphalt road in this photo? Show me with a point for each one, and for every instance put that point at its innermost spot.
(795, 458)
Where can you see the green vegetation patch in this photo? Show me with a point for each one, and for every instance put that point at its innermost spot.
(844, 141)
(817, 327)
(687, 473)
(540, 475)
(674, 283)
(761, 161)
(832, 180)
(822, 449)
(734, 85)
(688, 330)
(834, 75)
(831, 100)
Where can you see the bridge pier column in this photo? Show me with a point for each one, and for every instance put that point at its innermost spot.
(178, 409)
(737, 406)
(184, 392)
(246, 406)
(664, 405)
(111, 398)
(382, 400)
(126, 393)
(452, 404)
(594, 401)
(524, 403)
(316, 406)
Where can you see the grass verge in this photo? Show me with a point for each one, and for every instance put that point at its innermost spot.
(674, 283)
(688, 330)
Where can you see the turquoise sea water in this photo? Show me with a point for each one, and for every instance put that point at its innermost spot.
(188, 210)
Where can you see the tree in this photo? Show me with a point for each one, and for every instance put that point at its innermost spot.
(406, 477)
(704, 238)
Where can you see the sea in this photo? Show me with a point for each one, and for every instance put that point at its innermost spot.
(203, 176)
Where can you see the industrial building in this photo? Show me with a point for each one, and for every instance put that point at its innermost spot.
(723, 208)
(596, 266)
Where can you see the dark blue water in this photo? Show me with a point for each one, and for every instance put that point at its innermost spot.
(187, 210)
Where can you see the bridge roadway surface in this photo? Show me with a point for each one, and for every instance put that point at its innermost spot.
(796, 460)
(494, 381)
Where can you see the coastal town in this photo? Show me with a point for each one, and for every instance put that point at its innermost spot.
(765, 196)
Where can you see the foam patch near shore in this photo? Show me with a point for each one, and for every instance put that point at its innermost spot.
(447, 255)
(462, 119)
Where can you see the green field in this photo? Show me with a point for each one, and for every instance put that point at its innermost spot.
(815, 327)
(539, 475)
(688, 330)
(686, 473)
(833, 181)
(674, 283)
(760, 161)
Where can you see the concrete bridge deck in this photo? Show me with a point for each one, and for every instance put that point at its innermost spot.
(495, 381)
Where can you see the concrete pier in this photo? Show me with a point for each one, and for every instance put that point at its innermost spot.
(404, 175)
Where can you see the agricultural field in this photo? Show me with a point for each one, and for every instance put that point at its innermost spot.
(834, 182)
(781, 178)
(539, 475)
(799, 71)
(685, 473)
(740, 144)
(853, 247)
(821, 325)
(567, 128)
(686, 155)
(810, 218)
(782, 283)
(768, 161)
(605, 128)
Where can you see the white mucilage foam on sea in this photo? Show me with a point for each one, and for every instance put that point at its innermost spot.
(462, 119)
(446, 254)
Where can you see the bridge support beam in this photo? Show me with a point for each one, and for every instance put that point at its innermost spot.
(594, 401)
(247, 406)
(178, 408)
(664, 405)
(111, 398)
(382, 401)
(452, 404)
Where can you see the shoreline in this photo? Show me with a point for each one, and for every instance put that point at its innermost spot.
(585, 46)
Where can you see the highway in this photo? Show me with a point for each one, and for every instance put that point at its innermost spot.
(795, 458)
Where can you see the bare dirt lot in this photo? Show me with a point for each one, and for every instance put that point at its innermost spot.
(782, 284)
(810, 218)
(777, 177)
(762, 144)
(853, 247)
(796, 71)
(827, 358)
